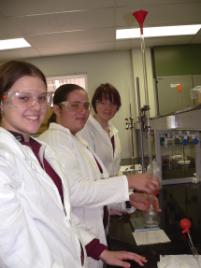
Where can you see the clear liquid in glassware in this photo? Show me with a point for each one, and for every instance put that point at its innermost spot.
(151, 216)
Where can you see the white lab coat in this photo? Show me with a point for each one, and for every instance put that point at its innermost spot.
(89, 193)
(100, 142)
(34, 230)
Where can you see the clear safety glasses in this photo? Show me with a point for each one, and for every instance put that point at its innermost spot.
(26, 99)
(76, 105)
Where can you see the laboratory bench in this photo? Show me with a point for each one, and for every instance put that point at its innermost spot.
(176, 201)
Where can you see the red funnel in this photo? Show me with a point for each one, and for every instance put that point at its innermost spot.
(140, 16)
(185, 225)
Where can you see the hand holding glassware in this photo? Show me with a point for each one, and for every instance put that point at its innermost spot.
(143, 182)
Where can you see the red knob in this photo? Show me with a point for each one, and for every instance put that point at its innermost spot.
(185, 225)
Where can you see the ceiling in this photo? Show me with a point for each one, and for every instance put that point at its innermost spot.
(55, 27)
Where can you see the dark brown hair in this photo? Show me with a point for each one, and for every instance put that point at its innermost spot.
(108, 92)
(11, 71)
(62, 92)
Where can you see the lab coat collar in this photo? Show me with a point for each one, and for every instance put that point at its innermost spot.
(32, 164)
(18, 136)
(10, 139)
(57, 126)
(112, 128)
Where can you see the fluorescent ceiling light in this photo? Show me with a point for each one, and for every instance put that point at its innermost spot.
(158, 31)
(13, 43)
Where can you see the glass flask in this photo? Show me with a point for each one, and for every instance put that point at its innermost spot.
(151, 216)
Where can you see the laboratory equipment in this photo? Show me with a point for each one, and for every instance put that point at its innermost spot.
(177, 146)
(151, 216)
(143, 112)
(185, 225)
(129, 126)
(196, 95)
(140, 16)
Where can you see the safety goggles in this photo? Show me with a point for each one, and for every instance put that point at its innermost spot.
(25, 99)
(76, 105)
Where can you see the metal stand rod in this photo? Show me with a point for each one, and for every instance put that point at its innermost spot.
(132, 138)
(149, 141)
(140, 123)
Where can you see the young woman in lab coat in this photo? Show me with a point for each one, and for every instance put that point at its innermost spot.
(36, 228)
(82, 168)
(100, 134)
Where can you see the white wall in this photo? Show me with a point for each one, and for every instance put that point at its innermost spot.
(113, 67)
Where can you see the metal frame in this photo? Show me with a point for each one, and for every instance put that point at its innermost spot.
(184, 120)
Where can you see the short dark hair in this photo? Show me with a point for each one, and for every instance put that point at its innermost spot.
(11, 71)
(61, 94)
(106, 91)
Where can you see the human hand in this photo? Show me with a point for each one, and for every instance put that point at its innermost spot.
(117, 258)
(155, 203)
(141, 201)
(144, 182)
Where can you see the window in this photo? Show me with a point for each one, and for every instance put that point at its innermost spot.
(56, 81)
